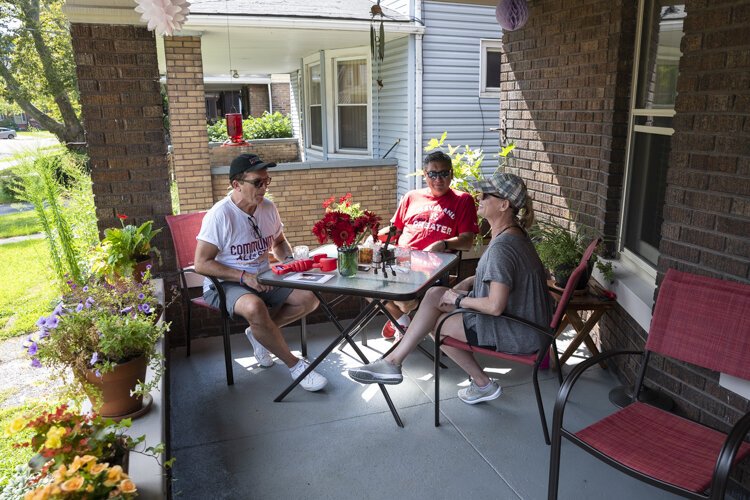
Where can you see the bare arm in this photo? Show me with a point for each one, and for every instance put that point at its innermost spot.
(461, 242)
(281, 248)
(206, 264)
(494, 304)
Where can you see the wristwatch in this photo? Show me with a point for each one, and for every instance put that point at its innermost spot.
(457, 302)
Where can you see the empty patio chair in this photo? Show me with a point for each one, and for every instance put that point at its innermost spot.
(184, 229)
(535, 359)
(697, 320)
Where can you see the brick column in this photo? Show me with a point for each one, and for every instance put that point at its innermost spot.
(118, 80)
(280, 97)
(258, 99)
(187, 119)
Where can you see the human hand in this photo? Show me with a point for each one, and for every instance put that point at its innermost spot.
(251, 280)
(448, 300)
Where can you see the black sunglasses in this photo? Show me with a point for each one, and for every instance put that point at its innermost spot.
(441, 173)
(485, 195)
(257, 183)
(255, 227)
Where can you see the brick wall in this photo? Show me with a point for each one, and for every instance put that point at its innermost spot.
(277, 150)
(258, 99)
(187, 115)
(281, 98)
(564, 102)
(566, 78)
(118, 79)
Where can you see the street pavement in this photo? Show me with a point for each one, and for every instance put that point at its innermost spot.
(21, 144)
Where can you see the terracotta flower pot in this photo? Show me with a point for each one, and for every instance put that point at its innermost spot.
(140, 268)
(115, 387)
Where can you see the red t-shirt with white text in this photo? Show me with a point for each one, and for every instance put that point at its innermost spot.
(425, 219)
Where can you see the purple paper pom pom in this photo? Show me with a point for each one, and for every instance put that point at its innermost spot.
(512, 14)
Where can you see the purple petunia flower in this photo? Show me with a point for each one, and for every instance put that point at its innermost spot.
(58, 310)
(79, 307)
(94, 358)
(148, 267)
(86, 288)
(36, 363)
(52, 322)
(141, 296)
(126, 310)
(98, 374)
(41, 322)
(43, 334)
(33, 348)
(89, 302)
(145, 308)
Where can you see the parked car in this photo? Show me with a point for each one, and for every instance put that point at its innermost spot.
(7, 133)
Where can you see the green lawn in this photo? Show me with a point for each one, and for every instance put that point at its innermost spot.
(27, 290)
(19, 224)
(38, 134)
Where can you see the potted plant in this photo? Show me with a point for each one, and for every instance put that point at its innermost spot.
(75, 451)
(125, 251)
(101, 332)
(346, 224)
(560, 250)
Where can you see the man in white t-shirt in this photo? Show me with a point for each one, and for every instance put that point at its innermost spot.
(233, 245)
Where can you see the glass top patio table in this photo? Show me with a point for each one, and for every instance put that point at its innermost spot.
(426, 269)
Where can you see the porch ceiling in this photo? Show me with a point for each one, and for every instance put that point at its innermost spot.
(261, 44)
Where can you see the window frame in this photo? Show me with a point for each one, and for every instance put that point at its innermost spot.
(634, 113)
(309, 63)
(487, 45)
(335, 105)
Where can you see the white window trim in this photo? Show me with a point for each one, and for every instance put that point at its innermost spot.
(331, 56)
(307, 63)
(484, 45)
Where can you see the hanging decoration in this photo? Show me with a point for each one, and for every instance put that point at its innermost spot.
(377, 39)
(163, 16)
(234, 130)
(512, 14)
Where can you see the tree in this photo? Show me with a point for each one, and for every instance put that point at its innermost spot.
(37, 66)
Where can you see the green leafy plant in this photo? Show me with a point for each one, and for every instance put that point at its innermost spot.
(122, 248)
(97, 326)
(560, 249)
(269, 126)
(57, 185)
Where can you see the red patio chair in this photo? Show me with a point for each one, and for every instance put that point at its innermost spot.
(535, 359)
(697, 320)
(184, 229)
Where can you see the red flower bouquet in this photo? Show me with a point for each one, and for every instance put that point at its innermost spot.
(345, 223)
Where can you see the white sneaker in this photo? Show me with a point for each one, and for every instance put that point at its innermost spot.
(314, 380)
(262, 355)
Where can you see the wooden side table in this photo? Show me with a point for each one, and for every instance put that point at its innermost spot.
(590, 300)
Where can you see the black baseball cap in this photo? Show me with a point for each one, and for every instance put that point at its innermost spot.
(247, 162)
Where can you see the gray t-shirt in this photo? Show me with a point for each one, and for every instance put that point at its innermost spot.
(511, 260)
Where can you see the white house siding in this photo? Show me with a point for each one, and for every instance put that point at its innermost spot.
(392, 103)
(450, 82)
(295, 106)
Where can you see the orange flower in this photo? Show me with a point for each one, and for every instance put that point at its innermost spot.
(114, 476)
(127, 486)
(72, 484)
(98, 468)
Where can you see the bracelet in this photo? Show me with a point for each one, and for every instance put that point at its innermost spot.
(242, 276)
(457, 302)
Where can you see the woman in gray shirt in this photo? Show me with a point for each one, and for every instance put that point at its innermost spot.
(510, 278)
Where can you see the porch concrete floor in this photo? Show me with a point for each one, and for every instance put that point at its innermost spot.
(342, 442)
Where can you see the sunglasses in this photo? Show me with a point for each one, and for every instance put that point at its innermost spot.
(257, 183)
(441, 173)
(486, 195)
(255, 227)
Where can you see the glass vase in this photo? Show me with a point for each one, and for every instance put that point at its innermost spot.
(347, 261)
